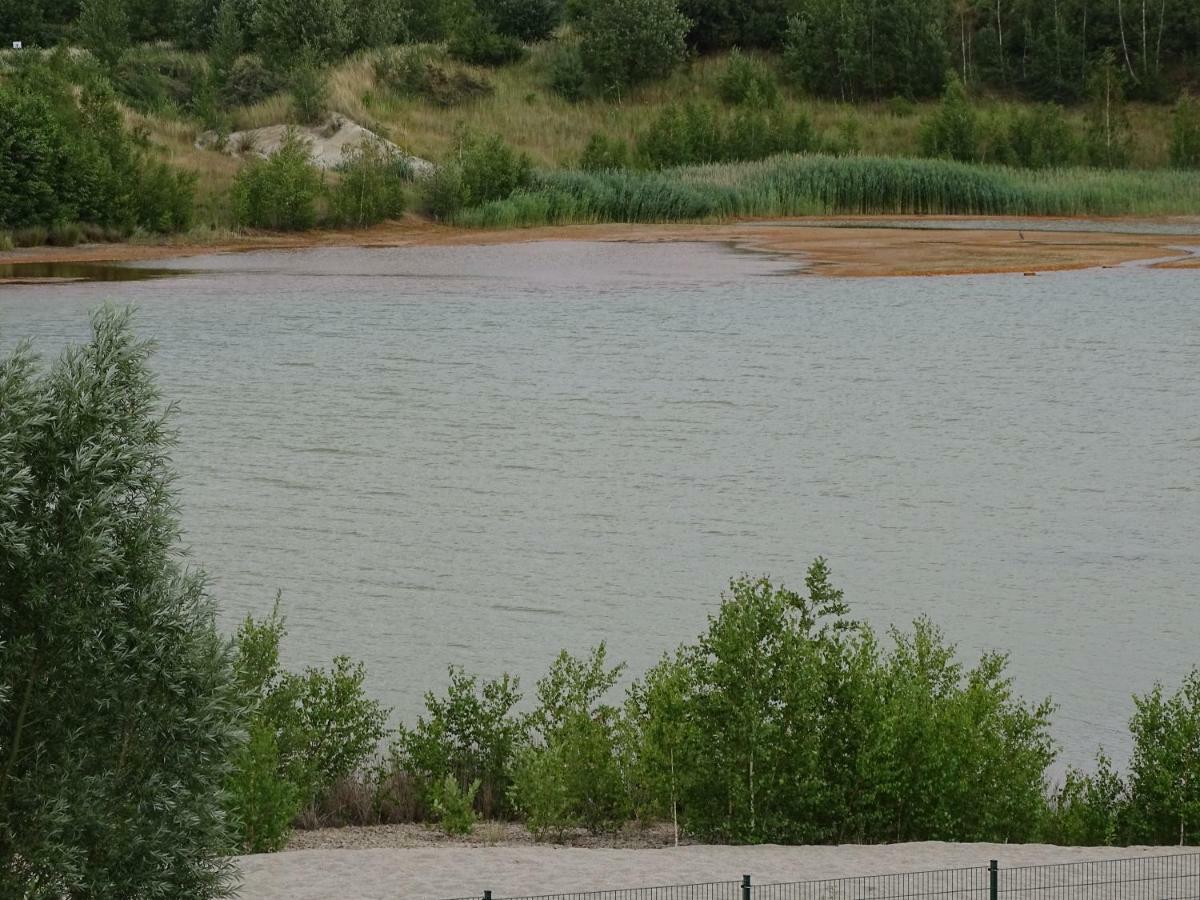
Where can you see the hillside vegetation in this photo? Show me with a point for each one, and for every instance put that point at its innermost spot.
(509, 94)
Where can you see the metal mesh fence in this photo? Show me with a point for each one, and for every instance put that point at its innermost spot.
(1175, 877)
(1167, 877)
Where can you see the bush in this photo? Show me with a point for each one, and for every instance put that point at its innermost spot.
(279, 193)
(286, 30)
(156, 80)
(116, 714)
(104, 30)
(603, 153)
(1164, 773)
(486, 169)
(1086, 810)
(572, 775)
(413, 72)
(475, 40)
(310, 92)
(747, 80)
(1041, 138)
(624, 43)
(453, 806)
(262, 803)
(249, 82)
(953, 131)
(372, 185)
(567, 76)
(1185, 134)
(695, 133)
(470, 737)
(1109, 137)
(525, 20)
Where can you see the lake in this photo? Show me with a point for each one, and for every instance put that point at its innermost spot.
(482, 455)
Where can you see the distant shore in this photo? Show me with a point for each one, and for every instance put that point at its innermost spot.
(847, 247)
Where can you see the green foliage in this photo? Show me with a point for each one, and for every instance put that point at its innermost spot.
(566, 75)
(1041, 138)
(485, 169)
(375, 23)
(571, 775)
(700, 134)
(524, 20)
(747, 80)
(250, 81)
(454, 806)
(307, 731)
(309, 84)
(856, 49)
(721, 24)
(415, 72)
(1109, 136)
(287, 30)
(226, 48)
(624, 43)
(104, 30)
(371, 187)
(279, 193)
(476, 40)
(1086, 810)
(603, 153)
(118, 719)
(1185, 134)
(952, 132)
(470, 737)
(65, 156)
(154, 79)
(1164, 773)
(262, 803)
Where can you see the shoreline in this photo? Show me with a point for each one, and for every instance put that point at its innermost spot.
(867, 246)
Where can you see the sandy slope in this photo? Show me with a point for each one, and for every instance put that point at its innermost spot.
(442, 872)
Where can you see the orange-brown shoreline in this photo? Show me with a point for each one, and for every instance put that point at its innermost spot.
(859, 247)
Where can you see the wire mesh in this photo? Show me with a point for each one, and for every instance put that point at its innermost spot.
(1173, 877)
(942, 884)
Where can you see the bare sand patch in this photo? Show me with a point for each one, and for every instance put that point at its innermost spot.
(431, 873)
(859, 247)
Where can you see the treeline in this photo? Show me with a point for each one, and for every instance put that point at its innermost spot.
(784, 721)
(139, 748)
(848, 49)
(66, 157)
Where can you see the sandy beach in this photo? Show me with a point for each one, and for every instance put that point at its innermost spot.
(434, 873)
(858, 247)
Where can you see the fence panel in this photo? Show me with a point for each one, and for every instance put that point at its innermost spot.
(943, 884)
(1175, 877)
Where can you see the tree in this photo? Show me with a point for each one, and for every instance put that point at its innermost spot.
(1185, 134)
(118, 717)
(104, 30)
(287, 29)
(952, 131)
(626, 42)
(226, 45)
(279, 193)
(1109, 136)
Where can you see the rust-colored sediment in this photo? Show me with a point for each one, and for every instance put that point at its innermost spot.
(852, 248)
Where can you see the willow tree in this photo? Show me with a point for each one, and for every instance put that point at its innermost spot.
(116, 714)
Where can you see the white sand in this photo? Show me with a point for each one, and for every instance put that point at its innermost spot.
(436, 873)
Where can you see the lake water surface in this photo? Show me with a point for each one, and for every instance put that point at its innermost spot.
(483, 455)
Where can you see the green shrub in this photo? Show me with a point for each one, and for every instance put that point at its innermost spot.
(279, 193)
(470, 737)
(1185, 134)
(475, 40)
(310, 92)
(262, 803)
(1164, 773)
(414, 72)
(624, 43)
(747, 80)
(453, 806)
(525, 20)
(372, 185)
(6, 240)
(250, 81)
(103, 28)
(1109, 137)
(118, 719)
(154, 80)
(484, 170)
(1041, 138)
(953, 130)
(31, 236)
(572, 776)
(567, 76)
(287, 30)
(696, 133)
(603, 153)
(1086, 810)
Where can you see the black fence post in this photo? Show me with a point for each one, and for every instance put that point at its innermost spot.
(994, 880)
(745, 887)
(487, 895)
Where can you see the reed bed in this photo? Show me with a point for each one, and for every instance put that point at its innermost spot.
(801, 185)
